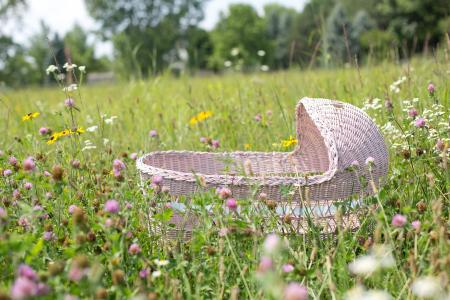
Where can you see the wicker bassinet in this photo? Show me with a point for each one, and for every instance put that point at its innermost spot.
(332, 137)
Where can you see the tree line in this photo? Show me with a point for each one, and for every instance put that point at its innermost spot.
(150, 37)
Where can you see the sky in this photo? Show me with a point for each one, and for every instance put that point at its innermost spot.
(75, 12)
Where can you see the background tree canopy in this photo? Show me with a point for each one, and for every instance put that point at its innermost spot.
(151, 36)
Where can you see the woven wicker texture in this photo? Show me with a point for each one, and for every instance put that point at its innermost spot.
(331, 136)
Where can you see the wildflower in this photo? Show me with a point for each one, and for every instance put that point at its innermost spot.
(134, 249)
(16, 194)
(354, 164)
(63, 133)
(43, 130)
(232, 204)
(27, 272)
(200, 117)
(134, 156)
(360, 293)
(157, 180)
(118, 165)
(28, 185)
(53, 138)
(258, 117)
(440, 145)
(227, 64)
(82, 69)
(215, 144)
(261, 53)
(51, 69)
(3, 213)
(75, 164)
(370, 161)
(364, 265)
(295, 291)
(47, 173)
(161, 263)
(416, 225)
(30, 116)
(398, 221)
(144, 273)
(12, 160)
(69, 102)
(28, 164)
(112, 206)
(48, 235)
(431, 89)
(76, 273)
(70, 88)
(153, 133)
(156, 274)
(7, 172)
(223, 232)
(203, 140)
(110, 120)
(265, 68)
(247, 146)
(420, 122)
(24, 288)
(79, 130)
(57, 173)
(223, 192)
(92, 128)
(287, 268)
(265, 264)
(48, 195)
(412, 112)
(426, 287)
(289, 142)
(69, 66)
(271, 243)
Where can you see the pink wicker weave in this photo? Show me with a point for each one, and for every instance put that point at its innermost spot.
(332, 136)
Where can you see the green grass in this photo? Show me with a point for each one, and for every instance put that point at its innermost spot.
(211, 266)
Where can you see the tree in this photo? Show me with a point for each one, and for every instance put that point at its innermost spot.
(80, 51)
(279, 22)
(14, 67)
(238, 36)
(143, 32)
(338, 40)
(414, 22)
(308, 30)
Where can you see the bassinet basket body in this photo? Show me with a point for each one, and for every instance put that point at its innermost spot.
(334, 141)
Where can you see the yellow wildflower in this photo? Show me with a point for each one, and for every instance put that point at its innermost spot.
(65, 132)
(247, 146)
(200, 117)
(30, 116)
(79, 130)
(289, 142)
(53, 138)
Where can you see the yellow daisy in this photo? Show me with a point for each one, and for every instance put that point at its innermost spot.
(30, 116)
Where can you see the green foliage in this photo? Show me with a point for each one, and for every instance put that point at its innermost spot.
(241, 29)
(144, 32)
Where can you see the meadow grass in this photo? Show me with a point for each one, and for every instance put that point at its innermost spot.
(86, 252)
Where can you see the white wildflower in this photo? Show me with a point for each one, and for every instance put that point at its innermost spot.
(360, 293)
(156, 274)
(110, 120)
(70, 88)
(426, 287)
(364, 265)
(384, 255)
(82, 69)
(105, 141)
(271, 243)
(69, 67)
(227, 64)
(51, 69)
(92, 128)
(161, 263)
(261, 53)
